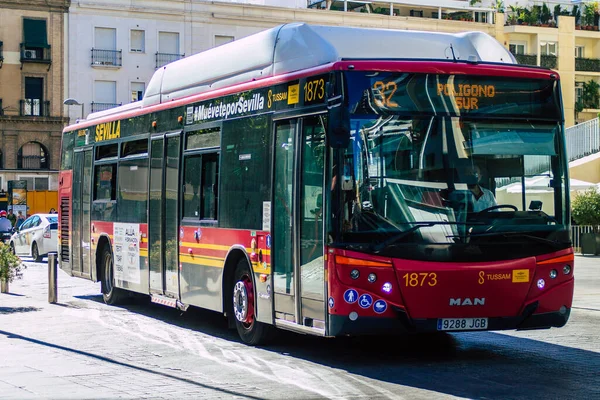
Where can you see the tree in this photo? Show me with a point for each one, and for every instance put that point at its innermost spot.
(11, 267)
(591, 94)
(586, 208)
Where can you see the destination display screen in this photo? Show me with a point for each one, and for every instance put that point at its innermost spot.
(394, 93)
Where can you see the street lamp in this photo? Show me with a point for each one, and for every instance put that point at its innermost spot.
(73, 102)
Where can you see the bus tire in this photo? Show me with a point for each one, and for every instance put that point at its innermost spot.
(110, 293)
(243, 310)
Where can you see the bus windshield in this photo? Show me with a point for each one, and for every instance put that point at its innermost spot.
(452, 182)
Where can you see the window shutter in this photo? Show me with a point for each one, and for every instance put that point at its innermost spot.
(34, 33)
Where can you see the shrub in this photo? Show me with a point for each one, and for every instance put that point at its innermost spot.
(586, 208)
(11, 266)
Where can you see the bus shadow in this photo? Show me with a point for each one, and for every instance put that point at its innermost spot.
(473, 365)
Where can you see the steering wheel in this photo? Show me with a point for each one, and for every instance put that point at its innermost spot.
(486, 210)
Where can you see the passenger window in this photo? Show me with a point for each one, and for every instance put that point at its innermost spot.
(201, 186)
(105, 182)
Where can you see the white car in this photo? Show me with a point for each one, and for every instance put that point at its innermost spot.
(36, 236)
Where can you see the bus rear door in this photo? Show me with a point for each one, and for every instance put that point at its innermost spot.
(163, 223)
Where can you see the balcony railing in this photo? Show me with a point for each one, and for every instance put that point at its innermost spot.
(32, 162)
(32, 54)
(1, 53)
(165, 58)
(34, 108)
(583, 139)
(526, 59)
(587, 64)
(1, 109)
(107, 58)
(103, 106)
(548, 61)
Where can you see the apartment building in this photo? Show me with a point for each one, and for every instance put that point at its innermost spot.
(31, 91)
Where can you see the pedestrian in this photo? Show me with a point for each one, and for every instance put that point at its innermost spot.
(20, 219)
(5, 225)
(52, 211)
(12, 217)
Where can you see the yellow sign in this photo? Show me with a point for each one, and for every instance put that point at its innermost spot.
(294, 94)
(466, 95)
(108, 130)
(520, 275)
(275, 97)
(82, 132)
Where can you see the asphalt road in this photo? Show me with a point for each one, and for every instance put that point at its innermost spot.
(81, 348)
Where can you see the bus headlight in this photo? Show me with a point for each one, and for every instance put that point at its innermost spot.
(354, 274)
(567, 269)
(553, 274)
(372, 278)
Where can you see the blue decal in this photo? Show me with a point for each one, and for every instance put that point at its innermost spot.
(268, 241)
(380, 306)
(350, 296)
(365, 301)
(331, 302)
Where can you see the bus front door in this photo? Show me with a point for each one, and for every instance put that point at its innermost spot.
(82, 200)
(297, 250)
(163, 234)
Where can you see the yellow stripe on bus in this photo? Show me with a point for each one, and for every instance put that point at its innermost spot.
(217, 247)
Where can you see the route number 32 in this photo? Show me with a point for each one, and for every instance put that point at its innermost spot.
(383, 92)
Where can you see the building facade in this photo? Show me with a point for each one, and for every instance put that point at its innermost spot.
(31, 91)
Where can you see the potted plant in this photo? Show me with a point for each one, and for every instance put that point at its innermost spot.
(591, 94)
(586, 211)
(10, 267)
(545, 15)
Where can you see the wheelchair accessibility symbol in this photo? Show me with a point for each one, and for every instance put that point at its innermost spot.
(365, 301)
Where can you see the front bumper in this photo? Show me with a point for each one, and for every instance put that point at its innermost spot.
(342, 325)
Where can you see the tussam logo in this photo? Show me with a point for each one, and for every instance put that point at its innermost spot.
(476, 301)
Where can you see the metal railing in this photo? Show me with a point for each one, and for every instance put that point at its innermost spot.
(526, 59)
(165, 58)
(583, 139)
(107, 58)
(587, 64)
(576, 231)
(36, 54)
(548, 61)
(32, 162)
(34, 108)
(103, 106)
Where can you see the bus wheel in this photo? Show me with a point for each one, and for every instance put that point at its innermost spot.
(244, 308)
(110, 293)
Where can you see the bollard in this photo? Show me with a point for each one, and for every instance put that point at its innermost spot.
(52, 269)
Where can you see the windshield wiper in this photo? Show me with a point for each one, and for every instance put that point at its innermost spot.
(380, 246)
(512, 234)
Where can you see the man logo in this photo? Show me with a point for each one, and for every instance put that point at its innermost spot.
(476, 301)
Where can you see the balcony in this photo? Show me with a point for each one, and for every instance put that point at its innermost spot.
(107, 58)
(32, 162)
(587, 64)
(103, 106)
(165, 58)
(458, 10)
(526, 59)
(548, 61)
(34, 108)
(31, 53)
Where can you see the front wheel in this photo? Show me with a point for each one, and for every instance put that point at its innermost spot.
(111, 294)
(35, 253)
(244, 308)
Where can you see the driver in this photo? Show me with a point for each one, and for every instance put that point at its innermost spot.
(482, 198)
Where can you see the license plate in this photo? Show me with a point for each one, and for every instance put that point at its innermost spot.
(462, 324)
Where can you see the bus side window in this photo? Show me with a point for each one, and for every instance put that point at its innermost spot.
(200, 186)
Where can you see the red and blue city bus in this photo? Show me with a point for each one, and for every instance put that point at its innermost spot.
(330, 181)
